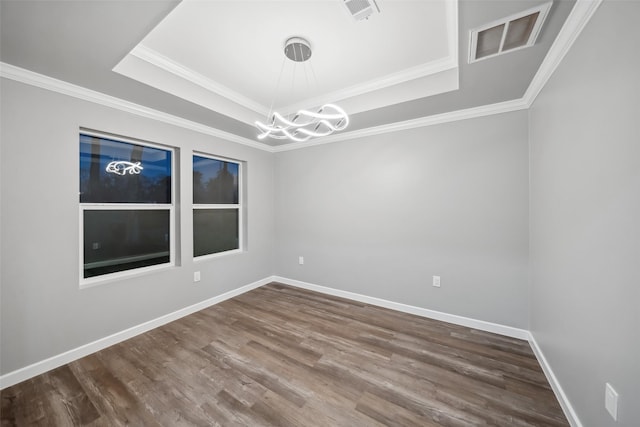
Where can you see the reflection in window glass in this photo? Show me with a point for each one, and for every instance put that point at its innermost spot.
(214, 181)
(217, 206)
(118, 240)
(126, 209)
(120, 172)
(214, 231)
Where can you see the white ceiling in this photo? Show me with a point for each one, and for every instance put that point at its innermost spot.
(200, 69)
(227, 55)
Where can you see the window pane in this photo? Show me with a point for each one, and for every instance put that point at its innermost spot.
(519, 31)
(215, 230)
(118, 240)
(214, 181)
(489, 41)
(120, 172)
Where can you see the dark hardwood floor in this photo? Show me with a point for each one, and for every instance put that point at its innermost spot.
(282, 356)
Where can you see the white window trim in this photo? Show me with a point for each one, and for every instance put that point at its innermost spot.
(82, 207)
(238, 206)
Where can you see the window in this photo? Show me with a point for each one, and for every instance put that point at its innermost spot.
(217, 222)
(126, 206)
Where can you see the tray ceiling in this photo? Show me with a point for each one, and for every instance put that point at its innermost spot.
(213, 65)
(228, 55)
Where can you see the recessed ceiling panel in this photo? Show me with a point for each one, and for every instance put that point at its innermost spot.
(235, 49)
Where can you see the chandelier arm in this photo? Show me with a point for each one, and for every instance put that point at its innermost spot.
(291, 123)
(306, 77)
(315, 79)
(277, 88)
(304, 124)
(295, 138)
(273, 134)
(314, 134)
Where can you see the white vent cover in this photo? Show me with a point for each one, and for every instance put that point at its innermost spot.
(361, 9)
(507, 35)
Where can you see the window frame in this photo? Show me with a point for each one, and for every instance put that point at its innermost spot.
(207, 206)
(86, 282)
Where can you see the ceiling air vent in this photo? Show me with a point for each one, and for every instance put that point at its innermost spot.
(506, 35)
(361, 9)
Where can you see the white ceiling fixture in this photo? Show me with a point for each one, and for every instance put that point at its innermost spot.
(304, 124)
(408, 52)
(361, 9)
(512, 33)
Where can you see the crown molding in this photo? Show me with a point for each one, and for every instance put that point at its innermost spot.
(21, 75)
(453, 30)
(470, 113)
(423, 70)
(404, 76)
(448, 62)
(580, 15)
(158, 60)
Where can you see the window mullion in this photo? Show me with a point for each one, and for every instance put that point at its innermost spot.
(217, 206)
(135, 233)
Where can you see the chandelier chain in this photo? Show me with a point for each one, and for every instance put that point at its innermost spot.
(305, 124)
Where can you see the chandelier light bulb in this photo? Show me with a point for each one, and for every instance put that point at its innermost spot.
(305, 124)
(123, 167)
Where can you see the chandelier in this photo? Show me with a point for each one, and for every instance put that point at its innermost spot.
(304, 124)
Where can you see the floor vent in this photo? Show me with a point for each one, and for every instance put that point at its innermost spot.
(507, 35)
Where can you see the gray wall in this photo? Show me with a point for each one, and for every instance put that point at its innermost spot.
(585, 217)
(377, 216)
(380, 215)
(43, 312)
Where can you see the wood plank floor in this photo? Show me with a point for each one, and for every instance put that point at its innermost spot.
(282, 356)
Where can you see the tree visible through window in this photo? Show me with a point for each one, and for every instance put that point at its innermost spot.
(216, 203)
(125, 205)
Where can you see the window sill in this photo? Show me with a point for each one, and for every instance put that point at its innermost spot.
(218, 255)
(122, 275)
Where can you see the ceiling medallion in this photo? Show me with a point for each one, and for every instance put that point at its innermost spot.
(305, 124)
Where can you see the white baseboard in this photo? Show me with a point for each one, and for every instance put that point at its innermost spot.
(568, 410)
(43, 366)
(509, 331)
(424, 312)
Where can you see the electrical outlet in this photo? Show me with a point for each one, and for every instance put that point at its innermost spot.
(196, 276)
(611, 401)
(301, 260)
(436, 281)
